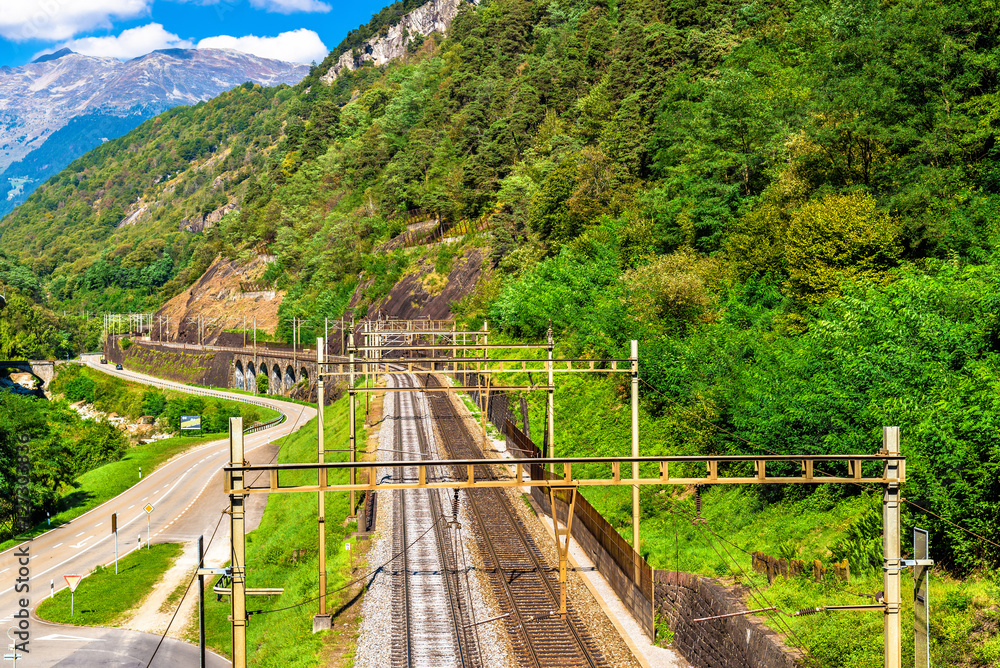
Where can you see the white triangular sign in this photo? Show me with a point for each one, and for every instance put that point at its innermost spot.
(73, 581)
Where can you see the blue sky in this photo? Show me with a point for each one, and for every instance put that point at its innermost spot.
(295, 30)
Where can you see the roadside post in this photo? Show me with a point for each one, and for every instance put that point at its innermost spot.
(921, 564)
(149, 511)
(114, 530)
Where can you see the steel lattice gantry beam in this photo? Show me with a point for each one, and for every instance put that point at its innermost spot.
(268, 476)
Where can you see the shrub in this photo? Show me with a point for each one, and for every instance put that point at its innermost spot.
(839, 237)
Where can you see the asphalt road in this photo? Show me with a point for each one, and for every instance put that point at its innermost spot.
(187, 496)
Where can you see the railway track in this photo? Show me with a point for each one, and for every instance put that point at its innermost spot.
(432, 610)
(525, 582)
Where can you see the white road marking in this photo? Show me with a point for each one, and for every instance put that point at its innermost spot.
(55, 546)
(79, 534)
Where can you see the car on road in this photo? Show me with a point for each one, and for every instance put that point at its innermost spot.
(103, 361)
(118, 367)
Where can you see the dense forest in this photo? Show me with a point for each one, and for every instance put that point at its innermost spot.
(792, 205)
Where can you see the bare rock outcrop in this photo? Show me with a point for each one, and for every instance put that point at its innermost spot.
(435, 16)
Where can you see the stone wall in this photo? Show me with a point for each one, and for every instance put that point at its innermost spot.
(210, 367)
(734, 642)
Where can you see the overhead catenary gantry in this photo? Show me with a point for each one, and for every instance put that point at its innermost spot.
(461, 356)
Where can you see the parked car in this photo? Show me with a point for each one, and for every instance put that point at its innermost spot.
(103, 361)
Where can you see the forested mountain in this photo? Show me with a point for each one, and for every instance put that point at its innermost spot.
(791, 205)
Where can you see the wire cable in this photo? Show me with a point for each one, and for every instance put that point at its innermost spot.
(816, 470)
(371, 572)
(186, 590)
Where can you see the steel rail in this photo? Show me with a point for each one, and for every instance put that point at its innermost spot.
(435, 502)
(500, 501)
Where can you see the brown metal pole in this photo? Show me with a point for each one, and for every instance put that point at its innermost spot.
(350, 418)
(238, 553)
(890, 541)
(635, 451)
(323, 620)
(551, 403)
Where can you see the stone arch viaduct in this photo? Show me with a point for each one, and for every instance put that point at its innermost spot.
(283, 371)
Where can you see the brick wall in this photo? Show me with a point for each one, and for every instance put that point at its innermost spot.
(734, 642)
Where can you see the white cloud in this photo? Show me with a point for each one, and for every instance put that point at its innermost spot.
(291, 6)
(130, 44)
(22, 20)
(296, 46)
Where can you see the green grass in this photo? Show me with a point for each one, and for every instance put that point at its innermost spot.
(94, 487)
(103, 598)
(285, 638)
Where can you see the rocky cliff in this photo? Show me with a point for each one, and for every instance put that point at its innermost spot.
(434, 17)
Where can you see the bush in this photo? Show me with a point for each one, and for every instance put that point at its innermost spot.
(262, 383)
(80, 388)
(839, 237)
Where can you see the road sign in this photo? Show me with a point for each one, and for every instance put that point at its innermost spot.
(73, 581)
(148, 508)
(190, 422)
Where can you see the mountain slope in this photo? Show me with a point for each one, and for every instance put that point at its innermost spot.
(108, 97)
(794, 223)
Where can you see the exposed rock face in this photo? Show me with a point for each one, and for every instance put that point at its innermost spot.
(41, 98)
(202, 223)
(433, 17)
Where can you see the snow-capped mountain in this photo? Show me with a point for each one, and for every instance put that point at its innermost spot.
(107, 97)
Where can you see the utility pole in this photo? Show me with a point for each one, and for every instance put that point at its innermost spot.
(890, 545)
(551, 426)
(201, 603)
(322, 621)
(238, 532)
(635, 448)
(350, 415)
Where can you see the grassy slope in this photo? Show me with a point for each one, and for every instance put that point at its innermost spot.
(103, 598)
(285, 638)
(592, 418)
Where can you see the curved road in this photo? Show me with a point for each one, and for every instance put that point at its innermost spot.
(188, 502)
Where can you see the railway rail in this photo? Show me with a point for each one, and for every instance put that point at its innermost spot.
(434, 626)
(525, 583)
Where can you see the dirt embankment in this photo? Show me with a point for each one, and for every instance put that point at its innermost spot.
(226, 296)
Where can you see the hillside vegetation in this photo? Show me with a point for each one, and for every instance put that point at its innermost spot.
(792, 206)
